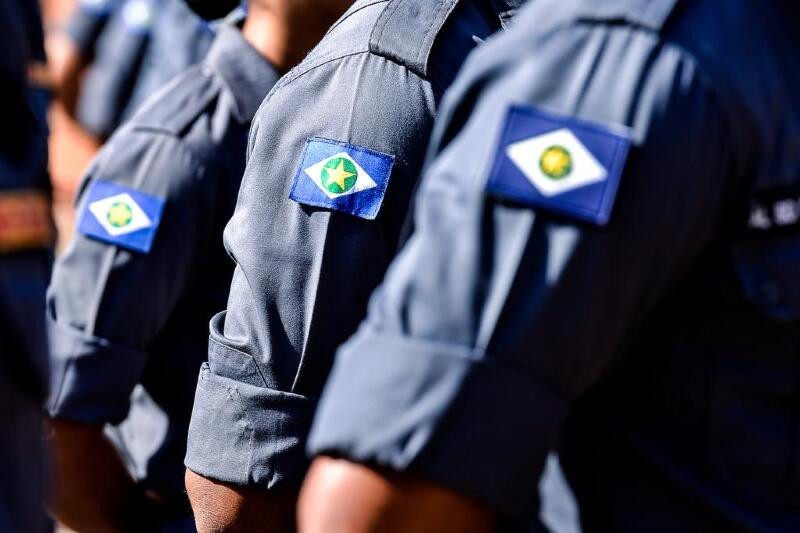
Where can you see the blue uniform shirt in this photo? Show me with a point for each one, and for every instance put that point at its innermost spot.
(640, 311)
(333, 157)
(130, 299)
(179, 39)
(87, 22)
(144, 45)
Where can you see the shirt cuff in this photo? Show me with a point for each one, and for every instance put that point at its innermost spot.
(443, 413)
(91, 378)
(246, 434)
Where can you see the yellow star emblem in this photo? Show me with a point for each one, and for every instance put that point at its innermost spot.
(556, 162)
(339, 175)
(119, 215)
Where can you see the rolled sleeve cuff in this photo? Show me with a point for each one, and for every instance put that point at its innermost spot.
(443, 413)
(246, 434)
(91, 378)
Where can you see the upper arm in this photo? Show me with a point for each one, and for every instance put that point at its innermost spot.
(111, 294)
(525, 283)
(501, 309)
(293, 252)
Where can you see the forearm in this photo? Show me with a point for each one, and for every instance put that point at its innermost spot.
(222, 507)
(339, 496)
(93, 490)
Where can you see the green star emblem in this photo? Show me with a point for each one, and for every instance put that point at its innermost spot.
(119, 214)
(339, 175)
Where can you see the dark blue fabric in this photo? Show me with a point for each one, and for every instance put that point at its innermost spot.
(23, 276)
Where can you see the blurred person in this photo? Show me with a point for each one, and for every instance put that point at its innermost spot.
(129, 50)
(131, 298)
(179, 38)
(26, 236)
(124, 71)
(604, 258)
(72, 48)
(333, 157)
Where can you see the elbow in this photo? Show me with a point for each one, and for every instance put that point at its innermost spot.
(340, 496)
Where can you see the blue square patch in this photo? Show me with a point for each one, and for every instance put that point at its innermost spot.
(343, 177)
(561, 164)
(120, 215)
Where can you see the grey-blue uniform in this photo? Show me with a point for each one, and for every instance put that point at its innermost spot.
(333, 156)
(604, 258)
(127, 67)
(26, 233)
(86, 23)
(179, 39)
(130, 300)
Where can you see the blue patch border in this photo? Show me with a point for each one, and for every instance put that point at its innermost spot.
(600, 216)
(346, 147)
(92, 229)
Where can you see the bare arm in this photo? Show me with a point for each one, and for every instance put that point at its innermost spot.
(222, 507)
(93, 490)
(340, 496)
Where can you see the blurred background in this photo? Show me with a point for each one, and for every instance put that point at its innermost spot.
(71, 148)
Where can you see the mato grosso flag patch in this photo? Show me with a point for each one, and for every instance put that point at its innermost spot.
(343, 177)
(120, 215)
(561, 164)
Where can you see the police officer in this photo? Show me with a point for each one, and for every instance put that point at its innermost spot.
(26, 235)
(130, 300)
(333, 157)
(605, 258)
(179, 38)
(127, 68)
(72, 48)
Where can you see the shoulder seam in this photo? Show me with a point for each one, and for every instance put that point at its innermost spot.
(287, 80)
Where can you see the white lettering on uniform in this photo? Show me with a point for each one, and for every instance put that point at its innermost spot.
(786, 212)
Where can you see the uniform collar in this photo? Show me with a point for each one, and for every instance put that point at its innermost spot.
(406, 30)
(247, 74)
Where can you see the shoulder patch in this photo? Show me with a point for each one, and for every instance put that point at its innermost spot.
(120, 215)
(343, 177)
(560, 164)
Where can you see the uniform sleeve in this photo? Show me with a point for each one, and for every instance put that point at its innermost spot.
(87, 22)
(304, 272)
(110, 80)
(107, 304)
(497, 315)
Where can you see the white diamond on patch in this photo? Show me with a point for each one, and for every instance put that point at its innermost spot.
(363, 182)
(585, 168)
(120, 215)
